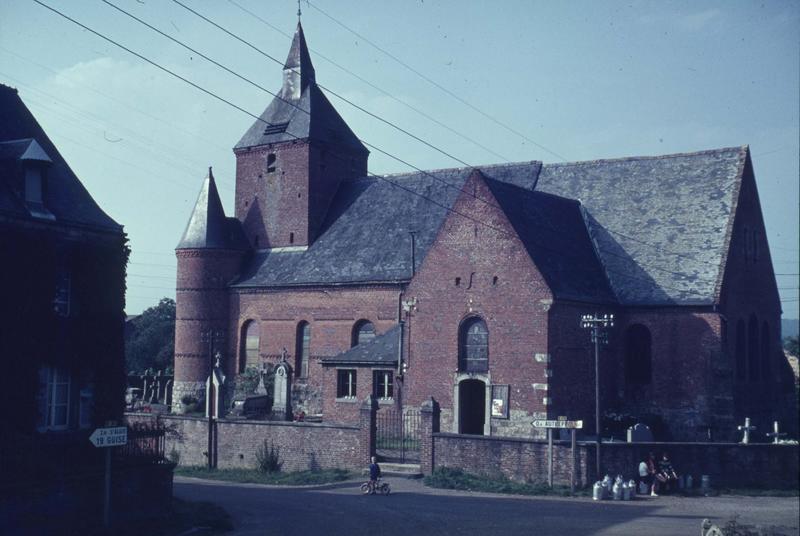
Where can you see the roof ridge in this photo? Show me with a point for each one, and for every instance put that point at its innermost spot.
(739, 148)
(479, 167)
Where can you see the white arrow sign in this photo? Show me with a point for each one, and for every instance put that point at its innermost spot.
(109, 437)
(557, 424)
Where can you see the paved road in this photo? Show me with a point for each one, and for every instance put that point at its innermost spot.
(412, 509)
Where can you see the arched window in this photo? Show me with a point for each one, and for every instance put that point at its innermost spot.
(250, 341)
(301, 353)
(363, 331)
(753, 349)
(766, 358)
(741, 351)
(473, 346)
(271, 158)
(638, 355)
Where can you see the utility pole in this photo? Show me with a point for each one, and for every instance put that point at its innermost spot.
(598, 324)
(211, 337)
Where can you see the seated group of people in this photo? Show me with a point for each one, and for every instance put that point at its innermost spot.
(658, 476)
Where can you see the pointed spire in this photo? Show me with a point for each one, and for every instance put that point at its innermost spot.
(207, 227)
(298, 72)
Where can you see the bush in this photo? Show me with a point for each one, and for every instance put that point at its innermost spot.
(174, 456)
(268, 458)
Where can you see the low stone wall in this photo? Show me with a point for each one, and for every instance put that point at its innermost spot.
(301, 445)
(727, 464)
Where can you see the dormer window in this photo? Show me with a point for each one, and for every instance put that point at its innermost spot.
(271, 158)
(33, 185)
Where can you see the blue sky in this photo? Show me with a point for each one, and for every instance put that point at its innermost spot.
(563, 81)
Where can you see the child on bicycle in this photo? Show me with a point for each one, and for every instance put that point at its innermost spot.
(374, 472)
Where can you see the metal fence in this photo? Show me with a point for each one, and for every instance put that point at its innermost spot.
(398, 435)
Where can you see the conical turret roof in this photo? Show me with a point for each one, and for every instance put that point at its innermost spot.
(208, 228)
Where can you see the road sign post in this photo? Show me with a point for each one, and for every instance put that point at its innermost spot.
(112, 436)
(562, 425)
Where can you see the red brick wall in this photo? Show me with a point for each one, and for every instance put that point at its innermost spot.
(301, 446)
(571, 382)
(331, 313)
(296, 196)
(514, 309)
(201, 303)
(749, 289)
(685, 349)
(728, 464)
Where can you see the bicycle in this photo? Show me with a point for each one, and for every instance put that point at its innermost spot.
(371, 487)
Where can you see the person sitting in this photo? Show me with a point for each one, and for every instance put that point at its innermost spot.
(666, 473)
(646, 476)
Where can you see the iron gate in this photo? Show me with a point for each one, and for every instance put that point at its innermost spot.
(397, 435)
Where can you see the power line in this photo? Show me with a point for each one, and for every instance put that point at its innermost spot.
(351, 103)
(394, 184)
(375, 87)
(437, 85)
(265, 54)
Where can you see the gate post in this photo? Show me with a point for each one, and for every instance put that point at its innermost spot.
(369, 411)
(429, 425)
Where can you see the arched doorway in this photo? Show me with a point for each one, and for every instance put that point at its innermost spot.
(471, 407)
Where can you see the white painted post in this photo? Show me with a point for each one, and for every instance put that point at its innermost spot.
(550, 457)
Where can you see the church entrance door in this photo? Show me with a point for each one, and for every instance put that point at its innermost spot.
(471, 407)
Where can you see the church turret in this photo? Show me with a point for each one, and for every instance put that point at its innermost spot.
(210, 255)
(291, 161)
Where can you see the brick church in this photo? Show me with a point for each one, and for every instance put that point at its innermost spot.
(468, 284)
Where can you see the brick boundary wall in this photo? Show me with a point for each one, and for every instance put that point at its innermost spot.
(727, 464)
(758, 465)
(301, 445)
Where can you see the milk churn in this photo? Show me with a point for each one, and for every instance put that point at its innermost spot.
(705, 484)
(597, 491)
(617, 489)
(607, 483)
(681, 482)
(689, 482)
(631, 490)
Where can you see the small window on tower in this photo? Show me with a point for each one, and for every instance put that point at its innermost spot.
(291, 238)
(271, 158)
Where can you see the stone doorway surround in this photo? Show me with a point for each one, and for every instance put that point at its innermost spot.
(486, 379)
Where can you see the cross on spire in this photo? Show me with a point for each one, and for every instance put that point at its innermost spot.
(299, 12)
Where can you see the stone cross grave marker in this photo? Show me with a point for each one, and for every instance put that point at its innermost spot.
(776, 433)
(746, 429)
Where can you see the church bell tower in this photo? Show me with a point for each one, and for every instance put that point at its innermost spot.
(290, 162)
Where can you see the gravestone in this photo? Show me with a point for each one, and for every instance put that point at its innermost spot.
(282, 395)
(639, 433)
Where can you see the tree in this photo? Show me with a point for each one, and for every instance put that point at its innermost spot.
(150, 339)
(791, 345)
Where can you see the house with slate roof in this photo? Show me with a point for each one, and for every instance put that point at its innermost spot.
(468, 284)
(62, 283)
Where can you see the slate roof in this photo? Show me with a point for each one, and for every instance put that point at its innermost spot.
(66, 197)
(660, 223)
(382, 350)
(365, 237)
(647, 231)
(208, 228)
(300, 110)
(554, 233)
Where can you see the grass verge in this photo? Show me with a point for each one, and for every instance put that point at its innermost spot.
(252, 476)
(448, 478)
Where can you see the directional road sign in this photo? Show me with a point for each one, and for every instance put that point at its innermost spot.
(557, 424)
(109, 437)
